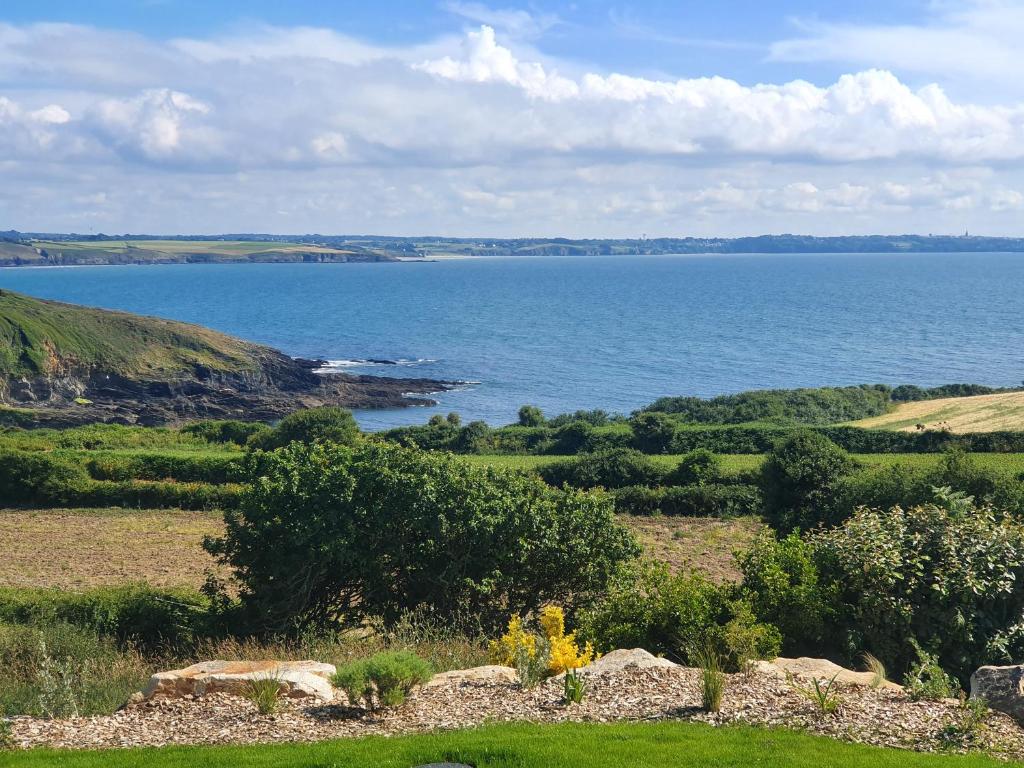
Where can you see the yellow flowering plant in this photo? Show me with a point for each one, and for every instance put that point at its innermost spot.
(563, 652)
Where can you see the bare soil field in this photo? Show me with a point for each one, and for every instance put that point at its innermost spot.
(78, 549)
(982, 413)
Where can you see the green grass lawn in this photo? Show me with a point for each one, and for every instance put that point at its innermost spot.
(663, 745)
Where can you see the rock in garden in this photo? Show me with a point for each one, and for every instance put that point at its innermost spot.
(298, 679)
(492, 673)
(1001, 687)
(821, 669)
(616, 661)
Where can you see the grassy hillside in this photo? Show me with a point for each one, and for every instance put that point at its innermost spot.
(982, 413)
(45, 338)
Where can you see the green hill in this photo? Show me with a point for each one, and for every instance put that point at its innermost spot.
(44, 338)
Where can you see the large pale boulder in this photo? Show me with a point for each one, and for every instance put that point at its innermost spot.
(1001, 687)
(298, 679)
(491, 673)
(821, 669)
(617, 661)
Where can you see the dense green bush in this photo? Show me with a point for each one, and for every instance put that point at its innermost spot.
(614, 468)
(799, 479)
(826, 405)
(713, 500)
(328, 534)
(310, 425)
(148, 494)
(648, 607)
(183, 467)
(696, 468)
(531, 416)
(946, 577)
(33, 477)
(653, 432)
(138, 612)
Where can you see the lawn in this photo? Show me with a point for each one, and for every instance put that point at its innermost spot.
(661, 745)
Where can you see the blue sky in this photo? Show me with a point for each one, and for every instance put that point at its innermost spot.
(537, 118)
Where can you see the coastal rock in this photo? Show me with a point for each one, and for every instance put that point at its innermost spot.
(1001, 687)
(821, 669)
(491, 673)
(298, 679)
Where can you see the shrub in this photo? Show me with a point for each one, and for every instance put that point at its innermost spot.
(225, 431)
(531, 416)
(697, 467)
(653, 432)
(37, 477)
(927, 680)
(614, 468)
(475, 437)
(384, 679)
(551, 644)
(648, 607)
(326, 423)
(328, 534)
(712, 500)
(638, 500)
(799, 478)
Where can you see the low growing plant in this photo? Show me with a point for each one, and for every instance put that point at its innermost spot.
(6, 735)
(712, 678)
(928, 681)
(264, 692)
(824, 697)
(575, 687)
(965, 729)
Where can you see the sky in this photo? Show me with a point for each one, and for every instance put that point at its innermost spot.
(532, 119)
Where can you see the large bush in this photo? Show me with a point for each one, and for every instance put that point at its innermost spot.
(799, 479)
(615, 468)
(948, 577)
(328, 534)
(308, 426)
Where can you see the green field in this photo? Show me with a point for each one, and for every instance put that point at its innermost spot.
(220, 247)
(662, 745)
(741, 462)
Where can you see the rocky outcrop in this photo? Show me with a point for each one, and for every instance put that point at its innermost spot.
(296, 679)
(821, 669)
(1002, 688)
(616, 661)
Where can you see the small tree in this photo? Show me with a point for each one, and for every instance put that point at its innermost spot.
(653, 432)
(799, 479)
(531, 416)
(328, 534)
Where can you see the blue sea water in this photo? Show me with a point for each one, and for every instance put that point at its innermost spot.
(602, 332)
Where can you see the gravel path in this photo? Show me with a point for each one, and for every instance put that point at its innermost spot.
(869, 716)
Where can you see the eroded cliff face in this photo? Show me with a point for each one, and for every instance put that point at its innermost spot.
(70, 394)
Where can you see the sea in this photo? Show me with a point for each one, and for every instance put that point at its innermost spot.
(597, 332)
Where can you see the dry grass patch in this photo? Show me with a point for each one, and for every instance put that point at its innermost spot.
(77, 549)
(982, 413)
(705, 544)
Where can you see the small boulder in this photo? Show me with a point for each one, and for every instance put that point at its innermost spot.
(616, 661)
(491, 673)
(298, 679)
(1002, 688)
(821, 669)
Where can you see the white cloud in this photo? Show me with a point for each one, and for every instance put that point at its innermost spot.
(471, 135)
(512, 21)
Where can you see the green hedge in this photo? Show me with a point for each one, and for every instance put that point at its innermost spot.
(137, 612)
(199, 468)
(710, 500)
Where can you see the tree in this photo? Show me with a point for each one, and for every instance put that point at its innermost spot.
(327, 535)
(799, 479)
(307, 426)
(698, 467)
(531, 416)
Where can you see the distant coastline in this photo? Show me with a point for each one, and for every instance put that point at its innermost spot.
(20, 249)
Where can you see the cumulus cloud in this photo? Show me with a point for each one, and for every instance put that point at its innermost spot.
(473, 133)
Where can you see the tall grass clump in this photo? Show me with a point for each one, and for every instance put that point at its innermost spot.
(264, 692)
(712, 678)
(877, 669)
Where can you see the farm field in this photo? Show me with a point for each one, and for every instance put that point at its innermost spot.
(81, 548)
(981, 413)
(658, 745)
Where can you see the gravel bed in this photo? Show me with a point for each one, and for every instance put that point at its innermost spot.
(880, 717)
